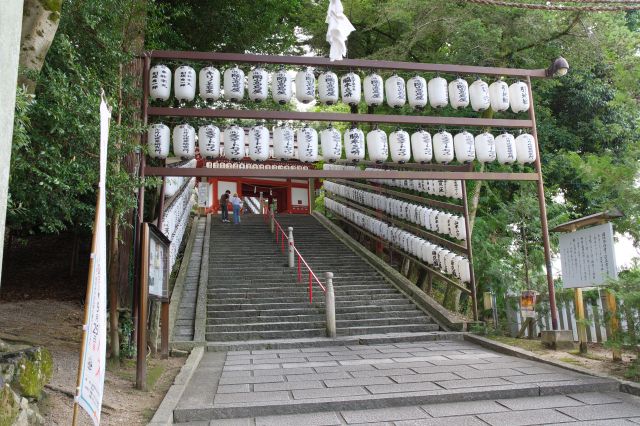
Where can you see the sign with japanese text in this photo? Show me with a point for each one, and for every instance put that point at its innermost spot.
(158, 278)
(587, 256)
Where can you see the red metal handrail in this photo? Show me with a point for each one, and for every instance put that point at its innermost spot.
(280, 237)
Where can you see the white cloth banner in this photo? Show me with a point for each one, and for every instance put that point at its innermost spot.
(91, 386)
(338, 31)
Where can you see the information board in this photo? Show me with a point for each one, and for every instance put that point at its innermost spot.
(158, 278)
(587, 256)
(203, 194)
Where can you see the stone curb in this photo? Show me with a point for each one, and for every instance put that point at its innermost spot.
(624, 385)
(176, 294)
(424, 302)
(164, 414)
(200, 322)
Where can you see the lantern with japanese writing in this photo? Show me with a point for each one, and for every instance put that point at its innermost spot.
(159, 83)
(506, 148)
(465, 147)
(354, 144)
(395, 91)
(479, 95)
(281, 87)
(519, 97)
(259, 143)
(258, 84)
(328, 88)
(438, 94)
(499, 95)
(417, 92)
(234, 84)
(421, 146)
(184, 84)
(453, 189)
(209, 141)
(464, 270)
(443, 150)
(525, 149)
(158, 141)
(459, 93)
(373, 90)
(351, 88)
(449, 263)
(283, 142)
(209, 84)
(400, 146)
(377, 145)
(305, 86)
(184, 141)
(331, 143)
(234, 143)
(307, 144)
(485, 148)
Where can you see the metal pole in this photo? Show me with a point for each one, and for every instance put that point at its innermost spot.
(330, 306)
(543, 215)
(474, 296)
(291, 248)
(273, 221)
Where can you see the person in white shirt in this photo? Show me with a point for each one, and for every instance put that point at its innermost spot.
(236, 202)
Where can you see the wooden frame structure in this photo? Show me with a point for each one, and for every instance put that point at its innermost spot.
(412, 171)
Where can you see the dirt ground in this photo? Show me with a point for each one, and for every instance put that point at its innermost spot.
(598, 358)
(56, 325)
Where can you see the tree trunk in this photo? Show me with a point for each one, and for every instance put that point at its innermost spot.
(40, 19)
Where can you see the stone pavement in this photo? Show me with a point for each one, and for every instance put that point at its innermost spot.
(407, 380)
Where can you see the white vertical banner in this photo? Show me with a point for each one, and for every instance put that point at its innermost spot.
(94, 345)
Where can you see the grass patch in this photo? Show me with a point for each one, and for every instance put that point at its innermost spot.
(532, 345)
(570, 360)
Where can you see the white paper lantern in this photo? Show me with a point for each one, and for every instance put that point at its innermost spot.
(421, 146)
(209, 141)
(519, 97)
(485, 148)
(479, 95)
(417, 92)
(400, 146)
(159, 83)
(453, 189)
(464, 270)
(441, 259)
(438, 93)
(283, 142)
(464, 147)
(158, 141)
(259, 143)
(351, 89)
(506, 148)
(281, 87)
(525, 149)
(373, 90)
(443, 150)
(331, 143)
(305, 86)
(184, 84)
(449, 262)
(354, 144)
(209, 83)
(459, 93)
(328, 88)
(395, 91)
(234, 84)
(499, 95)
(307, 144)
(234, 143)
(184, 141)
(258, 84)
(377, 146)
(443, 223)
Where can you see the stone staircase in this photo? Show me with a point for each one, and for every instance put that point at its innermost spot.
(253, 295)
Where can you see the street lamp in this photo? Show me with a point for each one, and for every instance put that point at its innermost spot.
(558, 68)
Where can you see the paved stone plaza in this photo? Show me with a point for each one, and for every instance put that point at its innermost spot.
(436, 382)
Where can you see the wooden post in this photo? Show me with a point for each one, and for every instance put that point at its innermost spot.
(141, 361)
(582, 328)
(164, 325)
(614, 325)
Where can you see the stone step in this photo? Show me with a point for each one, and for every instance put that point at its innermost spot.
(294, 309)
(303, 298)
(340, 304)
(405, 315)
(296, 325)
(265, 335)
(296, 291)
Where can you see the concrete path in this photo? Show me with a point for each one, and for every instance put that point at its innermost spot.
(382, 380)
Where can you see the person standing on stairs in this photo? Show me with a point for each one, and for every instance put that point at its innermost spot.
(236, 202)
(224, 200)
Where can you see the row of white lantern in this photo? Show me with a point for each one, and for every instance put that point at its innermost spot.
(431, 219)
(255, 166)
(498, 96)
(443, 147)
(446, 261)
(174, 183)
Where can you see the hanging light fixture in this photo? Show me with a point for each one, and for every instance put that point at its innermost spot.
(443, 150)
(506, 148)
(438, 96)
(351, 88)
(417, 92)
(307, 144)
(373, 90)
(354, 144)
(519, 97)
(377, 145)
(421, 146)
(305, 86)
(400, 146)
(485, 148)
(464, 147)
(331, 143)
(234, 84)
(328, 88)
(479, 95)
(209, 141)
(395, 91)
(525, 148)
(259, 143)
(234, 143)
(499, 96)
(459, 93)
(184, 141)
(283, 142)
(209, 84)
(159, 83)
(281, 86)
(258, 84)
(184, 83)
(158, 141)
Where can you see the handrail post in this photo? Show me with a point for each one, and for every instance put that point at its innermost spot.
(291, 248)
(273, 221)
(330, 306)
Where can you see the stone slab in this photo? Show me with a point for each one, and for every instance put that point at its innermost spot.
(524, 418)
